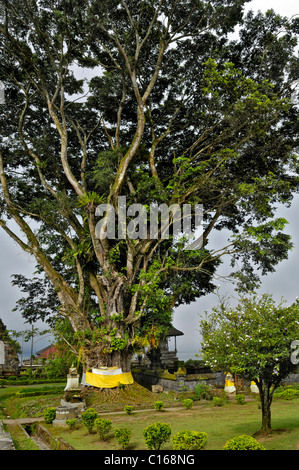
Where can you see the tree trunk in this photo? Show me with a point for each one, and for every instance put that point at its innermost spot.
(97, 355)
(109, 344)
(266, 400)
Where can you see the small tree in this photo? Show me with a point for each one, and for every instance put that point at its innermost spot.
(88, 418)
(156, 435)
(103, 427)
(253, 340)
(122, 436)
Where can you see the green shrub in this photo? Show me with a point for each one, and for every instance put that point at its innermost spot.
(72, 423)
(122, 436)
(240, 399)
(194, 363)
(88, 418)
(156, 435)
(187, 403)
(243, 442)
(159, 405)
(218, 401)
(189, 440)
(288, 394)
(49, 415)
(284, 387)
(129, 409)
(203, 391)
(103, 427)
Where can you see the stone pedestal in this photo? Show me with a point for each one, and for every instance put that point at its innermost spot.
(63, 413)
(73, 395)
(72, 379)
(72, 391)
(78, 405)
(72, 403)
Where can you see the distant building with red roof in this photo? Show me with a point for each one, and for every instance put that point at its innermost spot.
(47, 353)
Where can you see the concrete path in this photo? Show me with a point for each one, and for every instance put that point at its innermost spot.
(21, 420)
(6, 442)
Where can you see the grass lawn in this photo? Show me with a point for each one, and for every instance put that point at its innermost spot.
(18, 407)
(220, 423)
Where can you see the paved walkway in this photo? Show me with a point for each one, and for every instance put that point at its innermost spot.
(21, 420)
(6, 442)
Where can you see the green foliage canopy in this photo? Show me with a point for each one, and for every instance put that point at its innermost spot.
(252, 339)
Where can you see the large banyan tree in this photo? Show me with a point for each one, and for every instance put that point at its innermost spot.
(149, 103)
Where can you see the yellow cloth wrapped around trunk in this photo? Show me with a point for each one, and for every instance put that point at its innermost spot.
(108, 378)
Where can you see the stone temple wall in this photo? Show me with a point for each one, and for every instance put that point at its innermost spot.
(179, 381)
(9, 361)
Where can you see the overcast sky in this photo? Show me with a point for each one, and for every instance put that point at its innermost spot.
(282, 283)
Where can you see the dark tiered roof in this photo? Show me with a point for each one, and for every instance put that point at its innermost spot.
(174, 332)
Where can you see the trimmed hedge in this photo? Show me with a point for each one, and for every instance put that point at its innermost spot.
(31, 392)
(27, 381)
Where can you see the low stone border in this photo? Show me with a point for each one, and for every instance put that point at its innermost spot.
(55, 443)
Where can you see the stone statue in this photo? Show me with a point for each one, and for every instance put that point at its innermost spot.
(229, 383)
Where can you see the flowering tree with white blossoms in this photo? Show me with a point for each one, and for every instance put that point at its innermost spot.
(254, 340)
